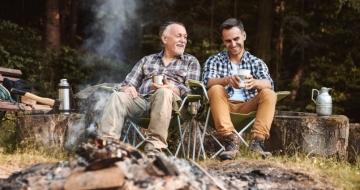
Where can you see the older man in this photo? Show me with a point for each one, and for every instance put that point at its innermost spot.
(227, 94)
(139, 96)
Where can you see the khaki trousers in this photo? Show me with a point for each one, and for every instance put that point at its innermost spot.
(121, 106)
(264, 102)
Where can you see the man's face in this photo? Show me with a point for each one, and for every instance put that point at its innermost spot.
(174, 39)
(233, 40)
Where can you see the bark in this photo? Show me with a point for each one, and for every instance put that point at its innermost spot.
(293, 132)
(264, 30)
(52, 35)
(354, 143)
(49, 130)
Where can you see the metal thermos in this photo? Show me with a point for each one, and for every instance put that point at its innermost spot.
(323, 101)
(64, 96)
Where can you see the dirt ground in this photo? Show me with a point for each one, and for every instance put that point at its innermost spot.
(257, 174)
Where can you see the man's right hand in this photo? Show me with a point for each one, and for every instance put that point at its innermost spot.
(234, 81)
(131, 91)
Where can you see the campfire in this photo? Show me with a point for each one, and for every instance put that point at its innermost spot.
(112, 164)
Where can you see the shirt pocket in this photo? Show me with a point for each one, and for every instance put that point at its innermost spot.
(180, 75)
(150, 70)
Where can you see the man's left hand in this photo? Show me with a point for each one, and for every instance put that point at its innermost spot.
(167, 84)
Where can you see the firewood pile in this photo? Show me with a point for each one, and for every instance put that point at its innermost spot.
(113, 165)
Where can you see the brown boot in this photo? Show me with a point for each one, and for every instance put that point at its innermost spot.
(257, 145)
(231, 143)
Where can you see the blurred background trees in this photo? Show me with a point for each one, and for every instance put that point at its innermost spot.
(306, 44)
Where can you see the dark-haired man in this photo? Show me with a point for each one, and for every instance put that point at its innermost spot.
(139, 96)
(227, 94)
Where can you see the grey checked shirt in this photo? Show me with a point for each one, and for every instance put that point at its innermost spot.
(184, 68)
(219, 66)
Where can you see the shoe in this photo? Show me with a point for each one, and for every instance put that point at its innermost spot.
(151, 151)
(257, 145)
(231, 144)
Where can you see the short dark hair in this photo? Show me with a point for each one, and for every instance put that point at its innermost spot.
(166, 24)
(231, 22)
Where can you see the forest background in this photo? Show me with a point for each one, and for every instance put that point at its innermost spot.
(306, 44)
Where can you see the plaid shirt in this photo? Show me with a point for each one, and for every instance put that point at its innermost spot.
(178, 71)
(219, 65)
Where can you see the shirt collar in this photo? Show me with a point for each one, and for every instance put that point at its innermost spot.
(161, 54)
(245, 57)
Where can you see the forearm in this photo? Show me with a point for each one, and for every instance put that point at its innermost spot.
(221, 81)
(263, 83)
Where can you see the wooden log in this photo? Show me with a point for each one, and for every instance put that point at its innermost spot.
(10, 72)
(308, 133)
(354, 143)
(48, 130)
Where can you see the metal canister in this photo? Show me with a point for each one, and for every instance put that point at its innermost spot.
(64, 96)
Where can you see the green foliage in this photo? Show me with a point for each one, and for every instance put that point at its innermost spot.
(21, 48)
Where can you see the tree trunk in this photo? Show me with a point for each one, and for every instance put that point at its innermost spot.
(308, 133)
(280, 8)
(51, 130)
(295, 83)
(264, 30)
(52, 35)
(73, 21)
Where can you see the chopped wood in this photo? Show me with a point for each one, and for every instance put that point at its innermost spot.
(100, 179)
(10, 72)
(9, 106)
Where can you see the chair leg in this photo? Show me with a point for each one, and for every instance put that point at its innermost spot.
(240, 133)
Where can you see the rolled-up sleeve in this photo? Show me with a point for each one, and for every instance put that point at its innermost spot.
(134, 78)
(210, 69)
(262, 72)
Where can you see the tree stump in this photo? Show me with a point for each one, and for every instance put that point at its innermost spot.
(48, 130)
(308, 133)
(354, 142)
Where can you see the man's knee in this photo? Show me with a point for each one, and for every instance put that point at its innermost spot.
(216, 90)
(163, 92)
(268, 94)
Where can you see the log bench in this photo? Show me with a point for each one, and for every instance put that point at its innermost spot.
(293, 132)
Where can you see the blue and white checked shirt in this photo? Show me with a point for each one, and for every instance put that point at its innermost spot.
(219, 66)
(178, 71)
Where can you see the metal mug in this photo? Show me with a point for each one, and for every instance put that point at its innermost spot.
(158, 79)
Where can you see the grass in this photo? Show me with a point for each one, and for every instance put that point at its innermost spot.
(16, 153)
(24, 153)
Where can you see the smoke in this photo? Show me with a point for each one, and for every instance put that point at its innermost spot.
(112, 22)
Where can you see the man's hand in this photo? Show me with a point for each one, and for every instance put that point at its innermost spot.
(131, 91)
(167, 84)
(234, 81)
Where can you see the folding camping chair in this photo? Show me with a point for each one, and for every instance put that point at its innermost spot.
(238, 119)
(186, 120)
(246, 120)
(195, 127)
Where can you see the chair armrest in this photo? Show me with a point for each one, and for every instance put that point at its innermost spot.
(197, 84)
(281, 95)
